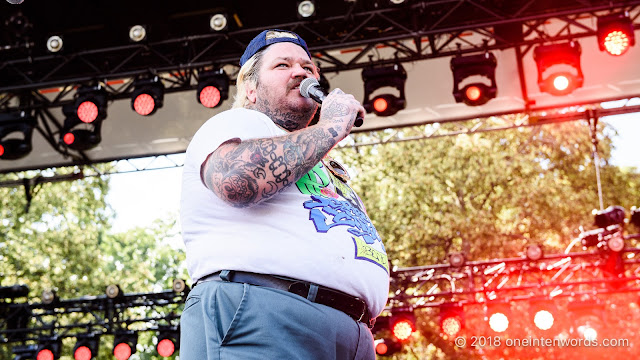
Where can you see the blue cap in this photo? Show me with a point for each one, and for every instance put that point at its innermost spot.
(269, 37)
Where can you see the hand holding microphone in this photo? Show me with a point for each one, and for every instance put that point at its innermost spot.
(310, 88)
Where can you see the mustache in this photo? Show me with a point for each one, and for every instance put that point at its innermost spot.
(294, 83)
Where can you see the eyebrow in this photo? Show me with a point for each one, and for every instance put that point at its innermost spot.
(290, 59)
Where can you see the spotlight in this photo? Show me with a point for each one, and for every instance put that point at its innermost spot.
(306, 9)
(147, 96)
(498, 316)
(541, 313)
(54, 43)
(386, 347)
(451, 320)
(559, 71)
(49, 297)
(91, 103)
(167, 340)
(124, 344)
(179, 286)
(613, 215)
(113, 291)
(534, 252)
(86, 347)
(615, 33)
(213, 88)
(588, 319)
(375, 78)
(402, 325)
(218, 22)
(137, 33)
(49, 349)
(476, 93)
(78, 135)
(456, 259)
(16, 130)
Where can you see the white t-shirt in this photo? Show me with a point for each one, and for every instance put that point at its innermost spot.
(315, 230)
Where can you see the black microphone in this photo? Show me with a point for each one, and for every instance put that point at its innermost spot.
(310, 88)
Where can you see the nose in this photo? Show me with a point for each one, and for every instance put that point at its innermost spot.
(298, 70)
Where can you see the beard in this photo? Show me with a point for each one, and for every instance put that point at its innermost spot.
(281, 110)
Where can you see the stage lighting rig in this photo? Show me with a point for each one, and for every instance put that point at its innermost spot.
(615, 33)
(375, 78)
(635, 216)
(613, 215)
(213, 88)
(456, 259)
(559, 70)
(541, 313)
(137, 33)
(218, 22)
(16, 130)
(79, 135)
(481, 66)
(306, 9)
(498, 317)
(386, 347)
(147, 96)
(402, 325)
(55, 43)
(91, 103)
(534, 252)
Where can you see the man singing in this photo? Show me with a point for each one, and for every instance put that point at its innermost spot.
(285, 261)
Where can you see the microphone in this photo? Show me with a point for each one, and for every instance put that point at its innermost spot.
(310, 88)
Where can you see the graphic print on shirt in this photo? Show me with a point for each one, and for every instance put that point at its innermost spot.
(329, 208)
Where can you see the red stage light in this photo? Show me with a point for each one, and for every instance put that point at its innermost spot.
(616, 42)
(543, 320)
(498, 322)
(69, 138)
(402, 330)
(561, 82)
(45, 354)
(144, 104)
(1, 150)
(82, 353)
(381, 348)
(473, 93)
(210, 96)
(380, 104)
(122, 351)
(451, 326)
(166, 347)
(87, 112)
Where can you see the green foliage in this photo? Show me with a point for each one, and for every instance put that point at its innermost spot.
(64, 242)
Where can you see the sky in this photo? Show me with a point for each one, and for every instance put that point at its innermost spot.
(138, 198)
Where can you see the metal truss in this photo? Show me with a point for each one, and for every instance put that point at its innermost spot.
(555, 276)
(30, 322)
(414, 31)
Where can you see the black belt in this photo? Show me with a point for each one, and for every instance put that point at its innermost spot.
(355, 307)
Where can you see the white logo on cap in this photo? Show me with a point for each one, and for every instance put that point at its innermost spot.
(279, 34)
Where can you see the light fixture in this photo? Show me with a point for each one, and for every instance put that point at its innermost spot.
(167, 341)
(386, 347)
(481, 66)
(49, 297)
(78, 135)
(147, 96)
(588, 318)
(86, 347)
(91, 103)
(213, 88)
(375, 78)
(534, 252)
(137, 33)
(124, 344)
(218, 22)
(635, 216)
(306, 9)
(113, 291)
(54, 43)
(615, 33)
(456, 259)
(179, 286)
(613, 215)
(542, 314)
(498, 317)
(451, 320)
(49, 349)
(402, 325)
(16, 130)
(559, 71)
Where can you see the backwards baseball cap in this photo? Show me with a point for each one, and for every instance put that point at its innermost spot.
(269, 37)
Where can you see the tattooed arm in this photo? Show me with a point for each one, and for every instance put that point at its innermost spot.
(248, 172)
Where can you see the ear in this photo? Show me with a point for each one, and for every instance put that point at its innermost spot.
(250, 89)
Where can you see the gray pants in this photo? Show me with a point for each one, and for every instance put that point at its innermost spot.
(229, 321)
